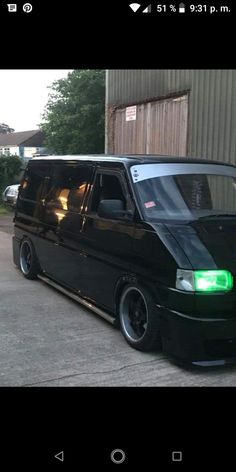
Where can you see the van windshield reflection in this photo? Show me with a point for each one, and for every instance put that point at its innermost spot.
(187, 196)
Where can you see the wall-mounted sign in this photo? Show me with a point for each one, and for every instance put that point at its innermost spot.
(130, 113)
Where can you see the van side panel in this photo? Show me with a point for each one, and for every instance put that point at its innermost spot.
(59, 234)
(29, 208)
(107, 251)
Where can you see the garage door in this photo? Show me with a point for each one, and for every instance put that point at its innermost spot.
(158, 127)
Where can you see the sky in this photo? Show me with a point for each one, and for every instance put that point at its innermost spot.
(23, 96)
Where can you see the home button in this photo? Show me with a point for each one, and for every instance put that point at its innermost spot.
(117, 456)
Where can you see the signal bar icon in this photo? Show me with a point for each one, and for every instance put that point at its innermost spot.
(148, 9)
(135, 6)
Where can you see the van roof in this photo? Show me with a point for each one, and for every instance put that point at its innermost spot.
(129, 159)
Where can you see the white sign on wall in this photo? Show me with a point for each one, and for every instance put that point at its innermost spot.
(130, 113)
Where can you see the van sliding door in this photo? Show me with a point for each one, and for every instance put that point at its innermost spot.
(63, 221)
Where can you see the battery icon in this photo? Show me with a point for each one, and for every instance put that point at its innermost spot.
(181, 8)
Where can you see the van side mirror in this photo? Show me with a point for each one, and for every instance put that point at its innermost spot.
(113, 209)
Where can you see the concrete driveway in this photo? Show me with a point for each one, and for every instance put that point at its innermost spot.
(46, 339)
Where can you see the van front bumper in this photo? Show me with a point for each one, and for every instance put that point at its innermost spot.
(198, 341)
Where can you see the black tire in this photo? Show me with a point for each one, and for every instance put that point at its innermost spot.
(29, 265)
(139, 319)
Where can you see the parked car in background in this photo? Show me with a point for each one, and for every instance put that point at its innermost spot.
(10, 194)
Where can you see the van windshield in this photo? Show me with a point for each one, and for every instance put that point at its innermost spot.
(185, 191)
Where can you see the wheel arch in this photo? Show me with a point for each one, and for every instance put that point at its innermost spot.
(128, 279)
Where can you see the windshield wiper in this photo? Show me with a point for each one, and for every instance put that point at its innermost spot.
(217, 215)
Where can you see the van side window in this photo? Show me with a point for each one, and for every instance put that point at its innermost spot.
(32, 184)
(106, 187)
(67, 187)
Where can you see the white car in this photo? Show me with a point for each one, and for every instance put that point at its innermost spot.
(10, 194)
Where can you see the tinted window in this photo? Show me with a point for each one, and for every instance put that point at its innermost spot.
(68, 187)
(107, 187)
(33, 182)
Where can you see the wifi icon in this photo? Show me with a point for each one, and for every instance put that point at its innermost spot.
(135, 6)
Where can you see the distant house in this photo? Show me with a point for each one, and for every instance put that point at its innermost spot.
(24, 144)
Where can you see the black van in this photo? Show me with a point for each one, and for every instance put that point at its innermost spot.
(148, 242)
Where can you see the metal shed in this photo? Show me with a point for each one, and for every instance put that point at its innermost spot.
(173, 112)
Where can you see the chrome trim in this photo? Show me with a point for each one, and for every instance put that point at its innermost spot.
(78, 299)
(23, 263)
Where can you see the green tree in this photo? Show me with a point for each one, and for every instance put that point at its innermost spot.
(5, 129)
(10, 167)
(74, 117)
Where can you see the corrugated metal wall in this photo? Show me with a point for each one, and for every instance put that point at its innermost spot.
(212, 104)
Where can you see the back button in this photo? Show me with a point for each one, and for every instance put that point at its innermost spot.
(60, 456)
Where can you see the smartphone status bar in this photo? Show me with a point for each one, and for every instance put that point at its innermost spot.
(181, 8)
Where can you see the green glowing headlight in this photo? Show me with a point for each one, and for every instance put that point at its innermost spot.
(213, 280)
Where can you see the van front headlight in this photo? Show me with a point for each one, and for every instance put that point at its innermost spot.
(204, 280)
